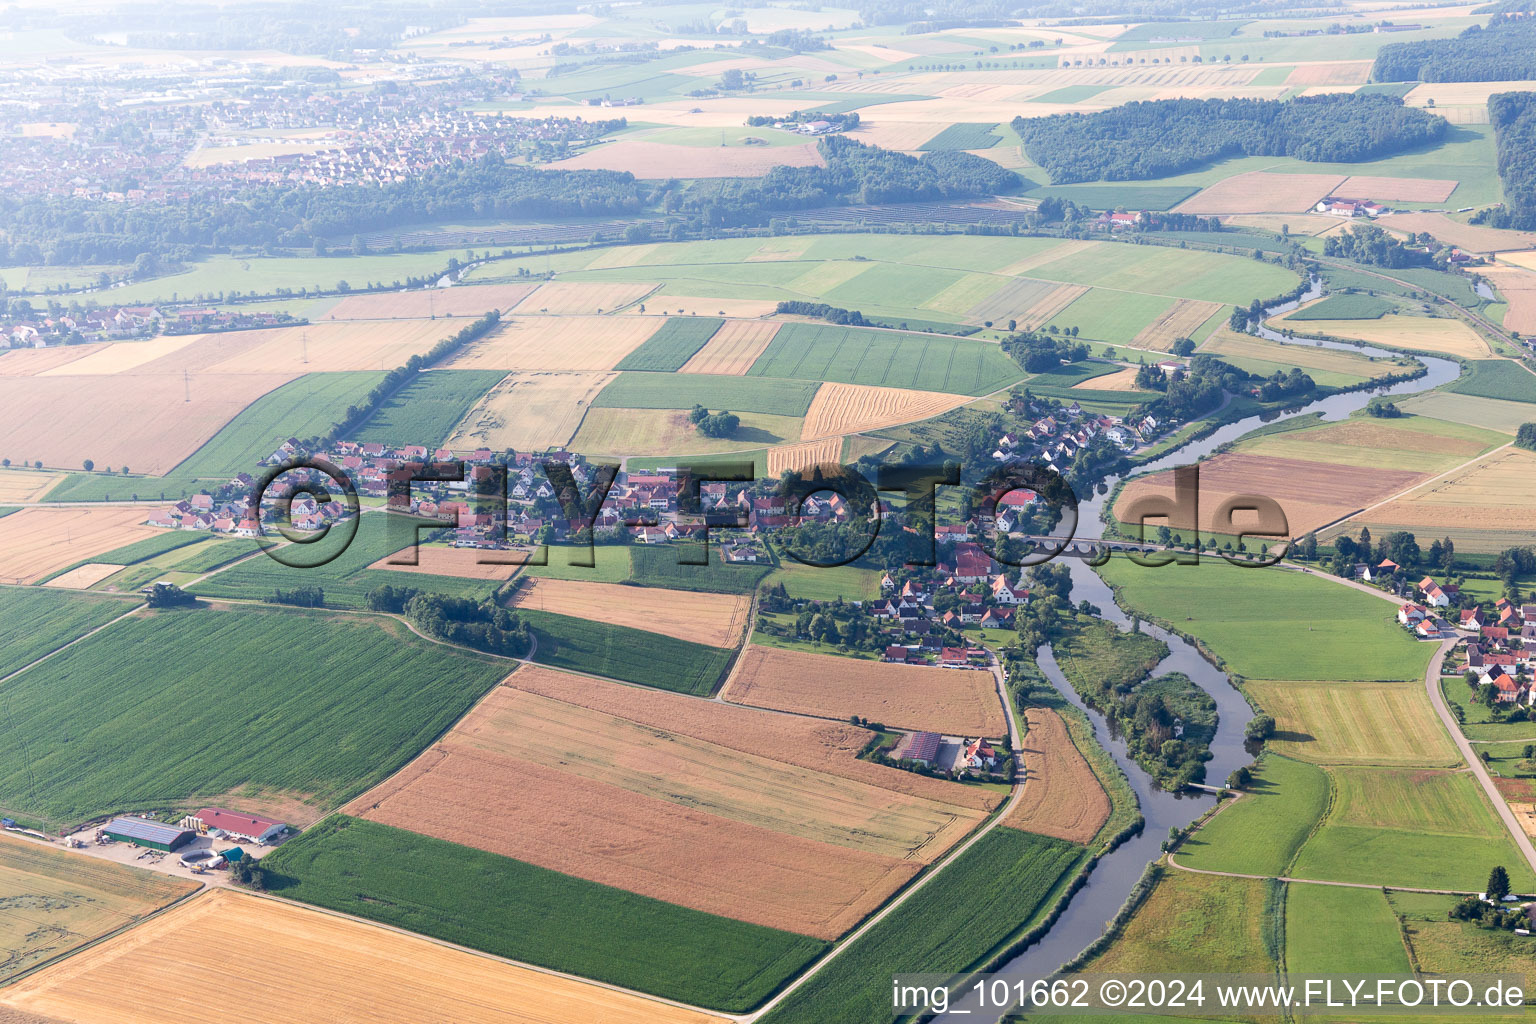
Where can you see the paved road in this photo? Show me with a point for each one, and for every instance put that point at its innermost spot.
(1437, 698)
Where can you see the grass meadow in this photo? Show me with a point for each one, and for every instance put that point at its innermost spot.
(512, 909)
(1252, 619)
(1345, 307)
(1327, 926)
(715, 392)
(164, 709)
(1261, 832)
(659, 567)
(1196, 924)
(969, 912)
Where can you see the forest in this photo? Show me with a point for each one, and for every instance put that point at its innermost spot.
(1513, 115)
(1505, 51)
(1156, 138)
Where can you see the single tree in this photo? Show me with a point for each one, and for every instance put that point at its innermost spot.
(1498, 883)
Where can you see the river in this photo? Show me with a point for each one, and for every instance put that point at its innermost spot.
(1092, 907)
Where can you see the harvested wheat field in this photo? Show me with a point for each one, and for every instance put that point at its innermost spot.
(733, 348)
(1430, 334)
(529, 411)
(851, 408)
(715, 619)
(330, 347)
(899, 135)
(1406, 190)
(1299, 224)
(653, 811)
(148, 425)
(571, 343)
(1120, 380)
(84, 576)
(1525, 814)
(1472, 237)
(803, 456)
(123, 356)
(664, 303)
(468, 300)
(1062, 797)
(56, 901)
(1518, 287)
(293, 960)
(1371, 444)
(1485, 507)
(29, 362)
(952, 701)
(583, 298)
(25, 485)
(1353, 72)
(1182, 320)
(831, 747)
(37, 541)
(657, 160)
(1262, 192)
(1525, 259)
(465, 563)
(1311, 494)
(1050, 304)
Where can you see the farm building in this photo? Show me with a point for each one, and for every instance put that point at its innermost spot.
(921, 746)
(237, 826)
(142, 832)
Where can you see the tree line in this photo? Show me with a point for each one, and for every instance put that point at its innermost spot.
(1369, 244)
(1156, 138)
(1513, 115)
(1504, 51)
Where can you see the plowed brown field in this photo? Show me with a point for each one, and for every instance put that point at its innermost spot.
(147, 423)
(657, 812)
(37, 541)
(1181, 321)
(1262, 192)
(733, 348)
(529, 411)
(831, 747)
(851, 408)
(1311, 494)
(469, 300)
(1407, 190)
(1062, 797)
(954, 701)
(716, 619)
(571, 343)
(294, 960)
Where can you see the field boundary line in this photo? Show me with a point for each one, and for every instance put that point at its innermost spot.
(1418, 486)
(549, 971)
(896, 901)
(1317, 881)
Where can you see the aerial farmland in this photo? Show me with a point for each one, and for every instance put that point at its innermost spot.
(658, 513)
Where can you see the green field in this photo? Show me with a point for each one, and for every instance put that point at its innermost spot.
(163, 710)
(1353, 306)
(34, 622)
(516, 910)
(632, 655)
(1196, 924)
(611, 564)
(346, 578)
(427, 409)
(856, 355)
(964, 135)
(1070, 94)
(1251, 619)
(1111, 316)
(809, 583)
(658, 566)
(1499, 379)
(218, 276)
(716, 392)
(968, 913)
(1261, 832)
(672, 346)
(1328, 927)
(1477, 723)
(1419, 829)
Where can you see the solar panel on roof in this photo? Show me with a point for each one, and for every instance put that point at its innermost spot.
(139, 828)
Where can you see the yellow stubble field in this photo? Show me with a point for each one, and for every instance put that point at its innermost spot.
(37, 541)
(293, 960)
(529, 411)
(567, 343)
